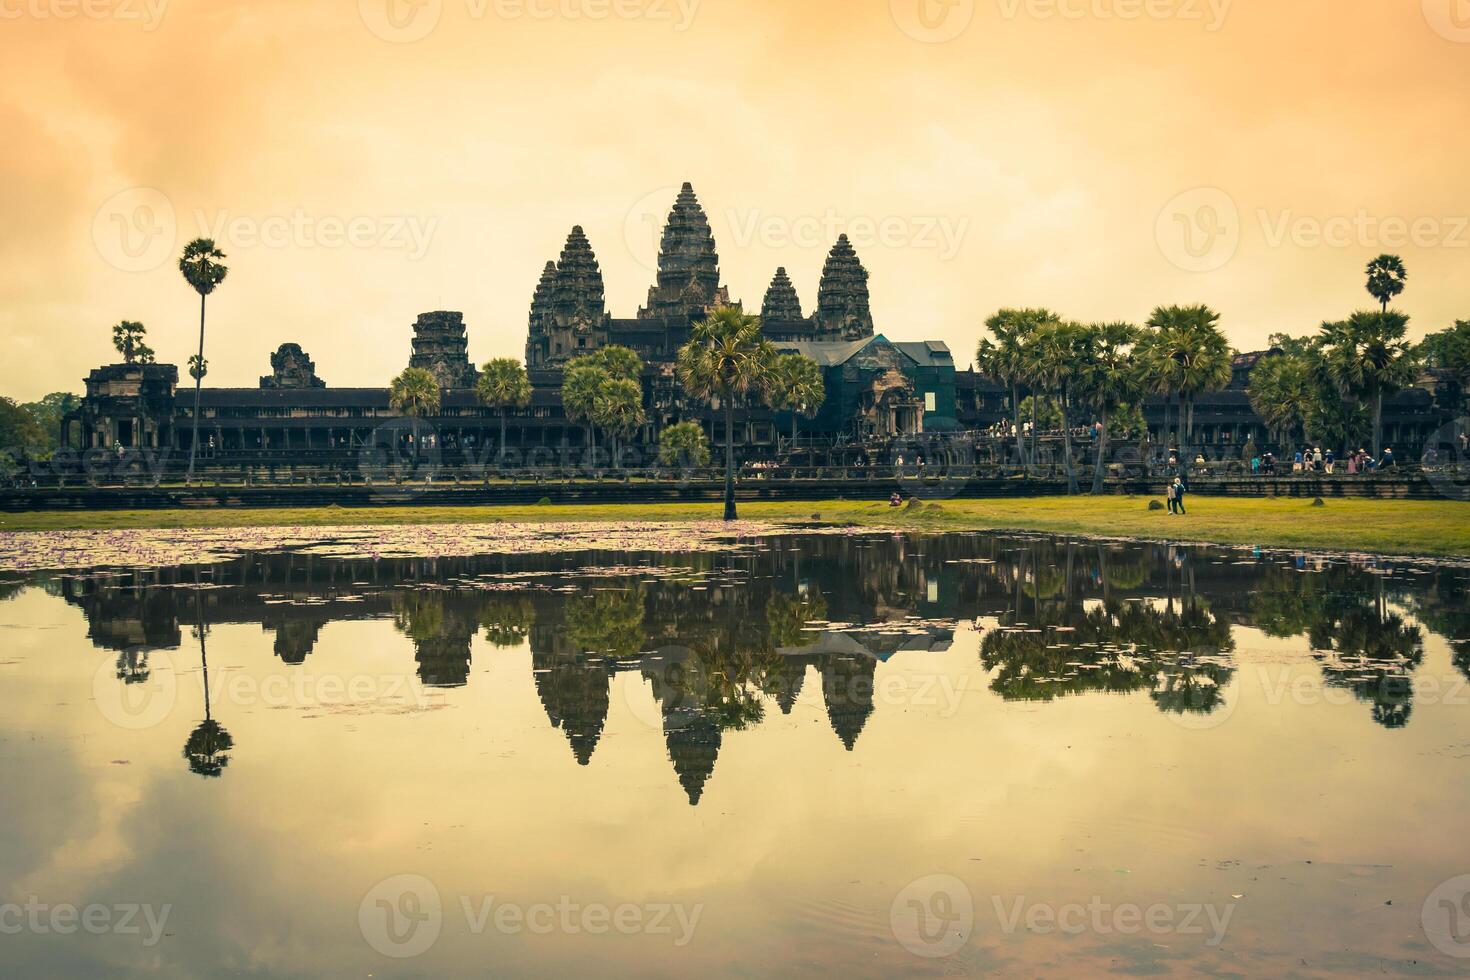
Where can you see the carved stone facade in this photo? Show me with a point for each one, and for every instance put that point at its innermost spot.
(291, 368)
(843, 312)
(688, 265)
(569, 310)
(441, 347)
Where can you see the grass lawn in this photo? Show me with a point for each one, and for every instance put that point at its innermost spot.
(1400, 527)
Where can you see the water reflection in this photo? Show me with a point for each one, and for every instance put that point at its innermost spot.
(718, 639)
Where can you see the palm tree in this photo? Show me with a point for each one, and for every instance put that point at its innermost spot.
(1282, 391)
(415, 393)
(202, 268)
(683, 444)
(580, 381)
(127, 337)
(1005, 359)
(1192, 357)
(198, 367)
(1059, 350)
(797, 387)
(1369, 358)
(503, 384)
(1386, 278)
(618, 408)
(726, 358)
(1108, 382)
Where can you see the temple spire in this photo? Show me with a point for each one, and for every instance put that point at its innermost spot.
(781, 305)
(843, 312)
(688, 265)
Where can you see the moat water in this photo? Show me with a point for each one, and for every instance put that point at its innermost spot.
(860, 755)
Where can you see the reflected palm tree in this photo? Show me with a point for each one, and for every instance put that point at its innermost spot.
(441, 632)
(209, 744)
(507, 622)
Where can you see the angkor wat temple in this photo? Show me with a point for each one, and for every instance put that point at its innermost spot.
(877, 389)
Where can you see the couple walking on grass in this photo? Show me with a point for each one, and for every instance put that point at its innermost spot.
(1175, 495)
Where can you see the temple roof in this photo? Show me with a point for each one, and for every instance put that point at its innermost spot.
(842, 299)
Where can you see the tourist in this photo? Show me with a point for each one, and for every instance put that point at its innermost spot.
(1179, 492)
(1317, 459)
(895, 499)
(1296, 464)
(1329, 461)
(1169, 496)
(1387, 459)
(1255, 465)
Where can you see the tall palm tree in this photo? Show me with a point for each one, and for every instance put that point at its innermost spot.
(1368, 356)
(580, 381)
(727, 357)
(1005, 359)
(618, 409)
(503, 385)
(415, 393)
(1108, 381)
(1282, 391)
(207, 749)
(797, 387)
(202, 268)
(1386, 278)
(1059, 350)
(1193, 357)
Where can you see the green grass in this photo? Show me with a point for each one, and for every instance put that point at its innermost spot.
(1399, 527)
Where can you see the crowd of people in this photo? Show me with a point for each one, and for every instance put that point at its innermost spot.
(1318, 460)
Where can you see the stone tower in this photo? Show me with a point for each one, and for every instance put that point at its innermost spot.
(536, 339)
(441, 347)
(842, 300)
(781, 305)
(291, 368)
(569, 311)
(688, 266)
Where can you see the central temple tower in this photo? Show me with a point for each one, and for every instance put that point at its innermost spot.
(688, 266)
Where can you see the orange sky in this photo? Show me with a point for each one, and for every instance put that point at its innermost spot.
(363, 163)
